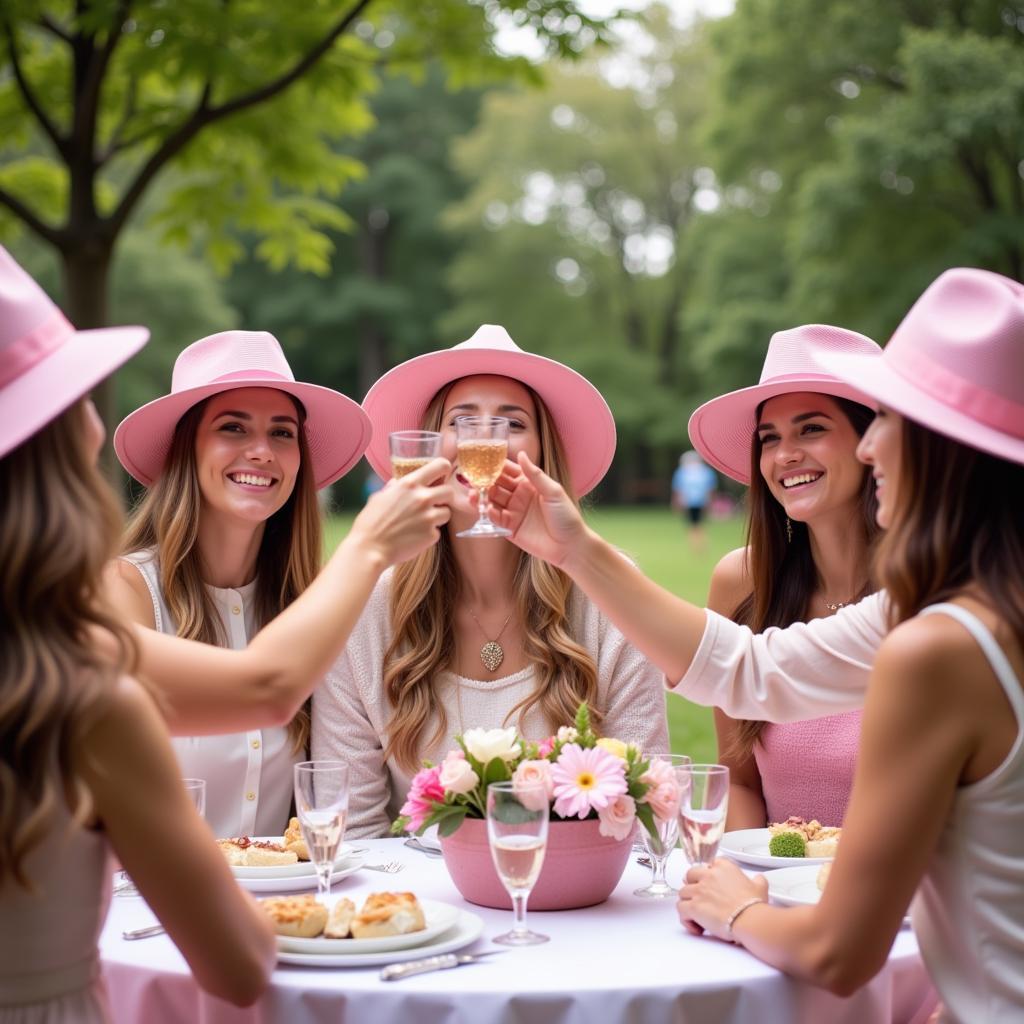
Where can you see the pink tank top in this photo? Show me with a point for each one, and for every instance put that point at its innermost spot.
(807, 768)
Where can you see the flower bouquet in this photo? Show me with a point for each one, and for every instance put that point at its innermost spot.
(584, 776)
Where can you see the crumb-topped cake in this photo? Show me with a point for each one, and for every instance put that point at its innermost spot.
(243, 852)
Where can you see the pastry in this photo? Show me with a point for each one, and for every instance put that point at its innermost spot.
(339, 922)
(388, 913)
(243, 852)
(299, 916)
(295, 841)
(823, 872)
(821, 840)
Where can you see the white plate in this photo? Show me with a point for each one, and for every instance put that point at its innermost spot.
(439, 918)
(466, 930)
(296, 870)
(297, 883)
(797, 886)
(750, 845)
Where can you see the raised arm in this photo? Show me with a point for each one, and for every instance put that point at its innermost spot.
(205, 689)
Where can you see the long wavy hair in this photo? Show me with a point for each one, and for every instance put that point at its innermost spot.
(956, 524)
(782, 572)
(424, 591)
(167, 521)
(59, 525)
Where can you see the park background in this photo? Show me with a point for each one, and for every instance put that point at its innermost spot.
(646, 195)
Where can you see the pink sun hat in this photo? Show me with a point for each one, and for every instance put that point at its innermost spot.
(722, 430)
(955, 364)
(45, 364)
(337, 430)
(581, 415)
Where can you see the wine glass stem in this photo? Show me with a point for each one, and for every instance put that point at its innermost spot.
(484, 506)
(519, 913)
(658, 865)
(323, 879)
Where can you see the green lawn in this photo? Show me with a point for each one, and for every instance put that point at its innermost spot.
(656, 540)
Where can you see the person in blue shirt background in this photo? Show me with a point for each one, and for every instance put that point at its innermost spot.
(693, 483)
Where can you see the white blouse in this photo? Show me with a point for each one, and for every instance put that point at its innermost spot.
(248, 774)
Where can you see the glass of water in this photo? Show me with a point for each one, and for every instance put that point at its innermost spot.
(321, 803)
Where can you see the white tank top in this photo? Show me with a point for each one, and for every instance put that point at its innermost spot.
(969, 910)
(248, 774)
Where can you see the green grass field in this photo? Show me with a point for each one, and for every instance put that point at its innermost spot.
(656, 540)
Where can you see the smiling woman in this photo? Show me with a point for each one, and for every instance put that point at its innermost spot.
(229, 534)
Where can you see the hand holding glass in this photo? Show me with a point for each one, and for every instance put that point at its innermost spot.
(658, 848)
(482, 445)
(517, 829)
(411, 449)
(703, 803)
(321, 804)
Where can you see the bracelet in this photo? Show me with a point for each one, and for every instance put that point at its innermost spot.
(746, 905)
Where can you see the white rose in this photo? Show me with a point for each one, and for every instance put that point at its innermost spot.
(487, 744)
(567, 734)
(457, 776)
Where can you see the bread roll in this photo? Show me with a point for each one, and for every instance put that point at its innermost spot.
(299, 916)
(388, 913)
(339, 922)
(295, 841)
(822, 878)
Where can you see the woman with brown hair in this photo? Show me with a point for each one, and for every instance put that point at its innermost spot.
(229, 534)
(810, 529)
(86, 767)
(475, 633)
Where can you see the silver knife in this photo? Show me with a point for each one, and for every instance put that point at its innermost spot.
(143, 933)
(395, 972)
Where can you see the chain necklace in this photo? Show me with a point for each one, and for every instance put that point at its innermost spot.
(835, 607)
(492, 654)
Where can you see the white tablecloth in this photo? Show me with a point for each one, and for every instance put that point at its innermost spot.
(626, 961)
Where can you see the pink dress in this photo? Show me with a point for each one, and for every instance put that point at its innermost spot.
(807, 768)
(49, 965)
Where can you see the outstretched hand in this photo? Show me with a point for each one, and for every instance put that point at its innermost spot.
(543, 519)
(405, 517)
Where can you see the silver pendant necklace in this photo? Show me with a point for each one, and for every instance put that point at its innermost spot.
(492, 654)
(835, 607)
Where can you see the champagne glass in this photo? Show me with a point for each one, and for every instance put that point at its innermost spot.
(411, 449)
(482, 444)
(660, 846)
(321, 804)
(196, 790)
(517, 829)
(703, 803)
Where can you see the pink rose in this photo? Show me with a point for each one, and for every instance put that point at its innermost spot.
(663, 792)
(617, 818)
(456, 775)
(546, 746)
(424, 792)
(534, 773)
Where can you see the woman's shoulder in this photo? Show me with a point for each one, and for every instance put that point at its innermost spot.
(730, 582)
(129, 590)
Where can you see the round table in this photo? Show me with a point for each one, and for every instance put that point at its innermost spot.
(627, 960)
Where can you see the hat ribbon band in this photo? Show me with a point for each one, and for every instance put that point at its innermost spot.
(991, 410)
(20, 356)
(803, 377)
(273, 375)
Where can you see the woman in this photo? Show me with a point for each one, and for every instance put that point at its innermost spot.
(229, 534)
(417, 670)
(944, 720)
(793, 439)
(85, 761)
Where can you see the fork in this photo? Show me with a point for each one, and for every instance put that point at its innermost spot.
(390, 868)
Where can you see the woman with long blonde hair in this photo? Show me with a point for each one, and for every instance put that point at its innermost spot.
(475, 633)
(229, 533)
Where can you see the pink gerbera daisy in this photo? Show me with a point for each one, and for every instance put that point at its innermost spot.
(586, 780)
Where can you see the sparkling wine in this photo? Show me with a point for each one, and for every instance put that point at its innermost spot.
(701, 831)
(518, 860)
(481, 460)
(400, 465)
(323, 831)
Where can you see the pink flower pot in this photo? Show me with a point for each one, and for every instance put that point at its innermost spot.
(581, 866)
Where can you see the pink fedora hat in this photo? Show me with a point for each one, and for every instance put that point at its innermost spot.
(45, 364)
(337, 430)
(955, 364)
(581, 415)
(722, 430)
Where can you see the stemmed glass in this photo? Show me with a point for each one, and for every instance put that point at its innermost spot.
(196, 789)
(517, 829)
(411, 449)
(321, 803)
(482, 445)
(703, 803)
(659, 847)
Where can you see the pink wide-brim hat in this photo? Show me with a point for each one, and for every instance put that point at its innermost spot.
(955, 364)
(581, 416)
(336, 428)
(45, 364)
(722, 430)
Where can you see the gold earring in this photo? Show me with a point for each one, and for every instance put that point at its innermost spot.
(789, 531)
